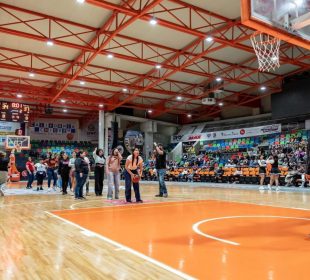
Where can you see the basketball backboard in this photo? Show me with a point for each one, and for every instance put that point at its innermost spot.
(17, 142)
(288, 20)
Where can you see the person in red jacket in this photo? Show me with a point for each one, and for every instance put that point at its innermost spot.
(30, 172)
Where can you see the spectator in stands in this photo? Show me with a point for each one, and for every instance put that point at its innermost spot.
(113, 167)
(81, 173)
(262, 171)
(4, 162)
(72, 171)
(237, 175)
(133, 167)
(99, 170)
(64, 172)
(218, 174)
(274, 172)
(30, 172)
(51, 162)
(160, 165)
(41, 168)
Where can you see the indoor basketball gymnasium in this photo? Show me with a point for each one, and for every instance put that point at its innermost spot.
(155, 139)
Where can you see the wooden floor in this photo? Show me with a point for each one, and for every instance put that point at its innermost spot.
(56, 237)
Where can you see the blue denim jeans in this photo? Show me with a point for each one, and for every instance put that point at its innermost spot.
(30, 180)
(80, 181)
(128, 187)
(51, 175)
(113, 180)
(161, 180)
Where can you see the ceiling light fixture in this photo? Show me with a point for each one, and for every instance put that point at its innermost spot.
(153, 21)
(50, 43)
(150, 111)
(189, 115)
(65, 110)
(209, 39)
(19, 95)
(221, 104)
(158, 66)
(63, 101)
(179, 97)
(263, 88)
(110, 56)
(100, 105)
(31, 74)
(218, 79)
(125, 89)
(82, 83)
(80, 1)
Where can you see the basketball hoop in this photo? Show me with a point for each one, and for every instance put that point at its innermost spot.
(267, 51)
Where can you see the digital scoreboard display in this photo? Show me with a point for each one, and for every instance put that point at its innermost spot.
(14, 112)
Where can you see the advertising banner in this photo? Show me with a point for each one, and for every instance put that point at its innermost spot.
(227, 134)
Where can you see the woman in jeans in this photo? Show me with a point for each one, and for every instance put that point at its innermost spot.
(72, 171)
(133, 167)
(112, 169)
(99, 170)
(81, 173)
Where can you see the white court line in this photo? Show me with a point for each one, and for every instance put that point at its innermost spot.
(72, 205)
(125, 248)
(198, 231)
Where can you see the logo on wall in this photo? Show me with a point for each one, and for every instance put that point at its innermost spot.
(133, 139)
(91, 129)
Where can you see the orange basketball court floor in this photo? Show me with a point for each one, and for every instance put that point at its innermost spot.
(207, 239)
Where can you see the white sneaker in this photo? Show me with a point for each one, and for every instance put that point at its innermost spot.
(278, 189)
(269, 187)
(261, 188)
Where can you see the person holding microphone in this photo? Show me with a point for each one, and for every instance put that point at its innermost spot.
(160, 166)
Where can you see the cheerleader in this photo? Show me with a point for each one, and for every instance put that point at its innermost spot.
(262, 171)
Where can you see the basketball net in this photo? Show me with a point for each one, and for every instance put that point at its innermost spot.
(267, 51)
(18, 148)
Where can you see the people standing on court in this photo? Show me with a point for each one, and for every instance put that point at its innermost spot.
(113, 167)
(99, 170)
(51, 162)
(262, 171)
(81, 173)
(87, 179)
(133, 168)
(72, 171)
(40, 174)
(4, 163)
(64, 172)
(30, 172)
(161, 166)
(274, 172)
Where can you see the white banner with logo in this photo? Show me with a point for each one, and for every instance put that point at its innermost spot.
(228, 134)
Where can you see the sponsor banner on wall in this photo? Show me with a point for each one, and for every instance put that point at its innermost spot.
(227, 134)
(49, 129)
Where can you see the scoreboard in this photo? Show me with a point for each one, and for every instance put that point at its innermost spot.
(14, 112)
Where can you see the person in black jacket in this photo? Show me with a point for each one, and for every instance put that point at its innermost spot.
(4, 162)
(64, 171)
(81, 173)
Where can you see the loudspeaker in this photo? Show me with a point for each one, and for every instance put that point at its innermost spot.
(114, 134)
(48, 110)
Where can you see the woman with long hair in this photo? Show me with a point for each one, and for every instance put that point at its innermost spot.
(133, 172)
(262, 171)
(81, 173)
(99, 170)
(113, 167)
(64, 171)
(275, 172)
(72, 171)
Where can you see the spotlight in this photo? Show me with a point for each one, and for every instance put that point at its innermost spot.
(218, 79)
(263, 88)
(209, 39)
(50, 43)
(31, 74)
(63, 101)
(80, 1)
(124, 89)
(110, 56)
(153, 21)
(158, 66)
(179, 97)
(150, 111)
(65, 110)
(189, 115)
(82, 83)
(221, 104)
(19, 95)
(100, 105)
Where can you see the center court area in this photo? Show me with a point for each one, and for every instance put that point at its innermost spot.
(197, 233)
